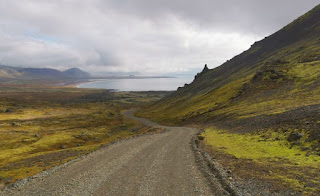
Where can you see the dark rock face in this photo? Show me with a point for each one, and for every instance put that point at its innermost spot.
(205, 69)
(294, 136)
(8, 110)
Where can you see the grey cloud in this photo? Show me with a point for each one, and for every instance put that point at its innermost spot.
(250, 16)
(152, 36)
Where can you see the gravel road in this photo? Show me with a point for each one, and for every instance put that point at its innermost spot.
(158, 164)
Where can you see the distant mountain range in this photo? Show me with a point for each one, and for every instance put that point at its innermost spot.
(36, 74)
(7, 72)
(76, 73)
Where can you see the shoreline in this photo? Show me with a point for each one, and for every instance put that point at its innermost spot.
(75, 84)
(131, 83)
(90, 80)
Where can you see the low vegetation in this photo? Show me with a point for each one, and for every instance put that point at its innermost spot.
(259, 98)
(267, 156)
(41, 127)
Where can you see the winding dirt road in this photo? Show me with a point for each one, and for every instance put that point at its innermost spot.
(159, 164)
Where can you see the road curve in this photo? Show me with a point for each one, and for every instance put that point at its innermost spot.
(159, 164)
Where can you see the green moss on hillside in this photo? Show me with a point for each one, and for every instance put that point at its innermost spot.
(275, 85)
(270, 155)
(288, 63)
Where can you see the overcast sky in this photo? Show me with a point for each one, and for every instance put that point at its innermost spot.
(144, 36)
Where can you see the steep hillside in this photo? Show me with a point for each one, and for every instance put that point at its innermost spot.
(276, 75)
(260, 110)
(276, 82)
(9, 72)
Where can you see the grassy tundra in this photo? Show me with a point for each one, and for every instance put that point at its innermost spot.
(41, 127)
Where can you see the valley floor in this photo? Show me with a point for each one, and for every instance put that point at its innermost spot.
(154, 164)
(45, 126)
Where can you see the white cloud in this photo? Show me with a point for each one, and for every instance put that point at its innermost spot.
(146, 36)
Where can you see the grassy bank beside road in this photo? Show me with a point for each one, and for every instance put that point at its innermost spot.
(268, 157)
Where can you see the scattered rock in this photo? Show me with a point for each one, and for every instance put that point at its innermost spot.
(294, 136)
(1, 186)
(298, 143)
(211, 110)
(16, 124)
(63, 147)
(8, 110)
(229, 173)
(9, 181)
(245, 87)
(108, 134)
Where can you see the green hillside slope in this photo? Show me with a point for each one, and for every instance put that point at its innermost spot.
(276, 76)
(260, 110)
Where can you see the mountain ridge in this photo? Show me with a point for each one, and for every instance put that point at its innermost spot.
(259, 111)
(278, 74)
(304, 27)
(18, 73)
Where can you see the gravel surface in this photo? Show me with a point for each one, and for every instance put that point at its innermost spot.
(158, 164)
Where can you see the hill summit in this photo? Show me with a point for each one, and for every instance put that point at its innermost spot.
(76, 73)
